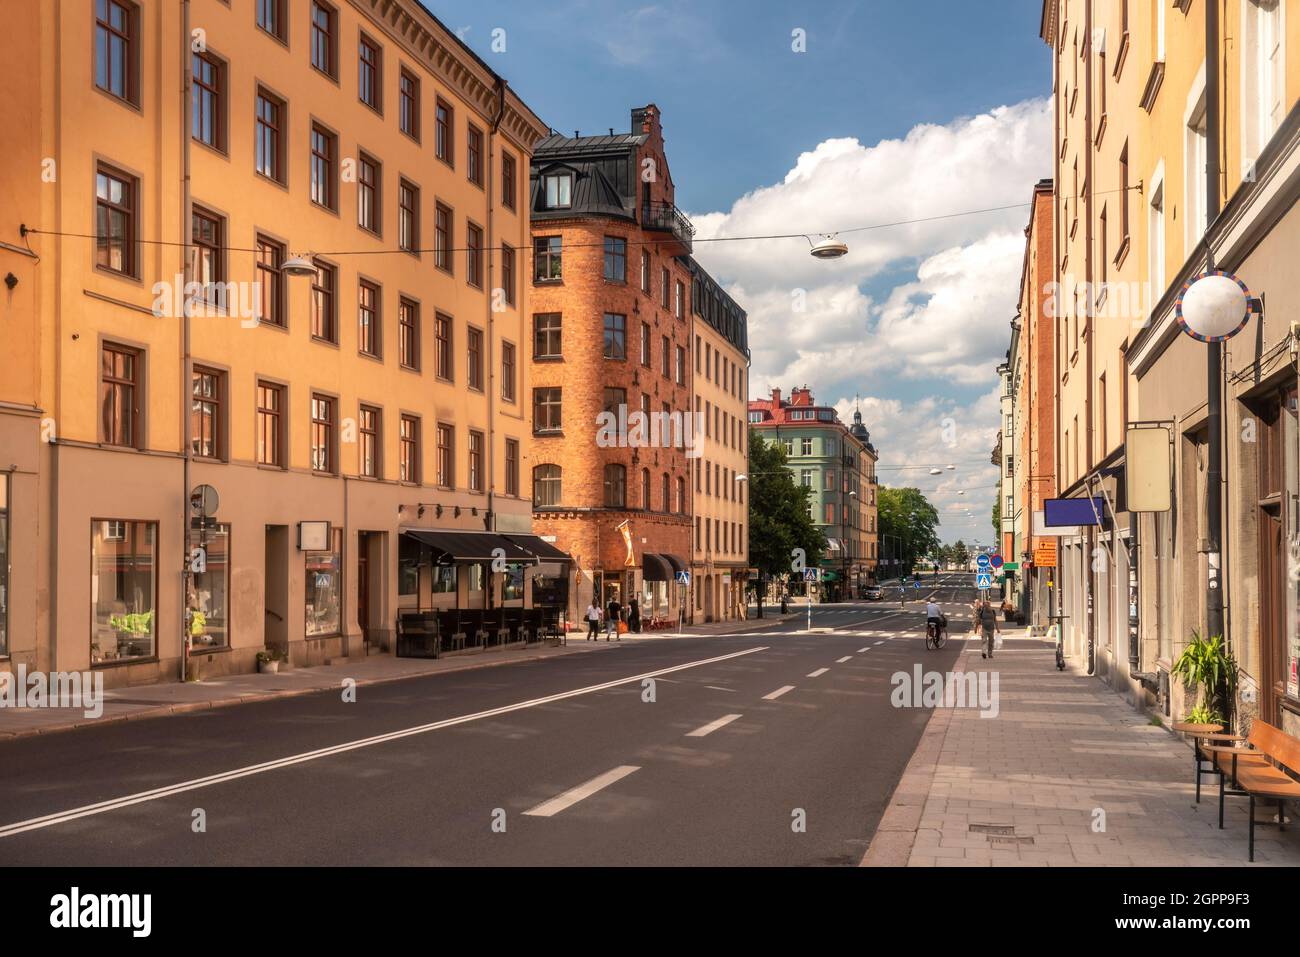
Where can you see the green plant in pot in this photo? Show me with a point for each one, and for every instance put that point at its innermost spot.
(268, 661)
(1207, 665)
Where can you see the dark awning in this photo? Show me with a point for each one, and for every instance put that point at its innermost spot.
(540, 548)
(469, 546)
(677, 564)
(655, 568)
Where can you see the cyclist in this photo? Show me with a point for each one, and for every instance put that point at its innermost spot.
(934, 617)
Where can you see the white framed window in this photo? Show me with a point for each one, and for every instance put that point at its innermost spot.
(1263, 76)
(559, 189)
(1156, 237)
(1194, 165)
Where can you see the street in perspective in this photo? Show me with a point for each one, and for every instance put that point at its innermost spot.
(839, 443)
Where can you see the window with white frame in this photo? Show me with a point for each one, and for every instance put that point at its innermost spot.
(1194, 155)
(1263, 77)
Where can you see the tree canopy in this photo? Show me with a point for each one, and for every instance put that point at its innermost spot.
(906, 515)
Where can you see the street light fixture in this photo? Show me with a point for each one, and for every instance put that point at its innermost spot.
(299, 266)
(828, 247)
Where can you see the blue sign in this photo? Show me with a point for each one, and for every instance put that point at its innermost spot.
(982, 560)
(983, 580)
(916, 584)
(1073, 511)
(996, 561)
(810, 574)
(683, 578)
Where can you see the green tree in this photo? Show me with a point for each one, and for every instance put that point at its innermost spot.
(960, 554)
(778, 514)
(997, 514)
(906, 515)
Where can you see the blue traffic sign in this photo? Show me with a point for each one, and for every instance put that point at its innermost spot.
(683, 578)
(984, 580)
(810, 574)
(983, 561)
(916, 584)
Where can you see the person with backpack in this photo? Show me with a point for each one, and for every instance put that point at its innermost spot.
(986, 621)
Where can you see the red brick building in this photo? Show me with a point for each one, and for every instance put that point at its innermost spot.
(612, 334)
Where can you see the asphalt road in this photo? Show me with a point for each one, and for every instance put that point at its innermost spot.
(560, 761)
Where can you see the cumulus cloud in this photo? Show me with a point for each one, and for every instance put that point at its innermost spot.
(919, 310)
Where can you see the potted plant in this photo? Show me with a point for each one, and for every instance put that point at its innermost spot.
(1207, 665)
(268, 661)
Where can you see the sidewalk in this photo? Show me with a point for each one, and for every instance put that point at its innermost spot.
(174, 697)
(1025, 787)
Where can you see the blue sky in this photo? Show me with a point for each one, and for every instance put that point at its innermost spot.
(896, 110)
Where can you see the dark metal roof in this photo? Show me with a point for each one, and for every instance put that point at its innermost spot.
(559, 144)
(593, 193)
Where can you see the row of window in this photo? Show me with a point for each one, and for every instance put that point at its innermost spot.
(716, 479)
(727, 537)
(719, 369)
(722, 425)
(122, 404)
(830, 445)
(548, 490)
(548, 266)
(117, 215)
(118, 48)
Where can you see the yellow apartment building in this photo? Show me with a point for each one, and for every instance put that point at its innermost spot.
(1097, 85)
(272, 249)
(1215, 102)
(720, 549)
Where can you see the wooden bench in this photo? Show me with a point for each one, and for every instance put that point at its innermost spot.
(1257, 767)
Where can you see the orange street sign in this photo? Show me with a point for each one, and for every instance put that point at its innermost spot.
(1045, 554)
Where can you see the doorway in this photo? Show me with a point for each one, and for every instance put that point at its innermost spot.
(275, 626)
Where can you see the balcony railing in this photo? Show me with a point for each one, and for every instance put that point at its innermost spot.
(667, 217)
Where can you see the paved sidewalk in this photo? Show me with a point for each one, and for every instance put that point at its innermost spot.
(1025, 787)
(174, 697)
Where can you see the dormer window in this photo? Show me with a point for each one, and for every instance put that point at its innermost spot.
(559, 190)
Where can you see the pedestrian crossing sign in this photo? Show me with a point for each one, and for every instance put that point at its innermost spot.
(984, 580)
(810, 574)
(683, 578)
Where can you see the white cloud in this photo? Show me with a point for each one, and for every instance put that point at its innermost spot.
(929, 302)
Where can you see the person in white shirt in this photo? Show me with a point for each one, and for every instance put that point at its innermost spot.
(593, 621)
(934, 615)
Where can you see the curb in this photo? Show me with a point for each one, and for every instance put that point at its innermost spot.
(188, 707)
(891, 845)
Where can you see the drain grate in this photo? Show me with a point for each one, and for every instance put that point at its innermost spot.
(1005, 839)
(1003, 829)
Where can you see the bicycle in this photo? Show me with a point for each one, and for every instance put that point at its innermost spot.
(936, 633)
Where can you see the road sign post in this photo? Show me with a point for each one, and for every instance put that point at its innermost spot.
(810, 579)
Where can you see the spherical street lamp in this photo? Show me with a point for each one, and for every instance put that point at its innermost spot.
(1214, 306)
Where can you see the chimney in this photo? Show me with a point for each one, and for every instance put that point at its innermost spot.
(776, 398)
(645, 119)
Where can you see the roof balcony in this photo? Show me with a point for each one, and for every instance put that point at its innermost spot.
(667, 218)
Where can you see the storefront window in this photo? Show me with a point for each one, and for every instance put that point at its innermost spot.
(123, 590)
(210, 596)
(512, 585)
(410, 556)
(4, 565)
(324, 589)
(444, 579)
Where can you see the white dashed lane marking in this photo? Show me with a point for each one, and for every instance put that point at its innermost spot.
(712, 726)
(777, 693)
(819, 672)
(572, 796)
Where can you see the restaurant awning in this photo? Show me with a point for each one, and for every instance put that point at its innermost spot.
(834, 544)
(677, 564)
(655, 568)
(453, 547)
(539, 547)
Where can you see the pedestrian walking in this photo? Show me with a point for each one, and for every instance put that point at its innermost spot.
(986, 621)
(593, 621)
(634, 616)
(613, 615)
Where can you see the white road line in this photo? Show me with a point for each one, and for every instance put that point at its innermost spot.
(716, 688)
(881, 641)
(864, 650)
(712, 726)
(141, 797)
(818, 672)
(840, 661)
(777, 693)
(572, 796)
